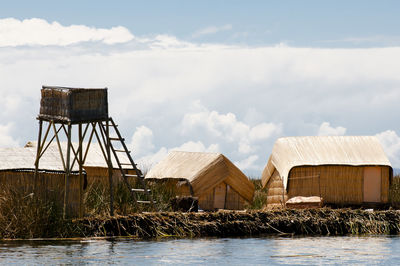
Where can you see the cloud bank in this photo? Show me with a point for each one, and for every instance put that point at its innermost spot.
(37, 31)
(169, 94)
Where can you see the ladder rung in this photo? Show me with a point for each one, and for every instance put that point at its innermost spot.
(122, 151)
(125, 164)
(140, 190)
(121, 139)
(128, 175)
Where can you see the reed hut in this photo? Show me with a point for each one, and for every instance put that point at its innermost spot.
(17, 167)
(211, 177)
(343, 170)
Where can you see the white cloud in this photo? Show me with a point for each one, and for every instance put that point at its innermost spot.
(211, 30)
(227, 128)
(326, 130)
(6, 140)
(247, 163)
(37, 31)
(197, 146)
(264, 131)
(391, 144)
(142, 141)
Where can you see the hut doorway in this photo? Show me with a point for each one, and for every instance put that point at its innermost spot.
(372, 184)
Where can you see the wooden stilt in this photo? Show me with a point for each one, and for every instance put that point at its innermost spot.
(110, 167)
(35, 186)
(67, 173)
(81, 210)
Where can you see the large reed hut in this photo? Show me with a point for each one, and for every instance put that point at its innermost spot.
(343, 170)
(211, 177)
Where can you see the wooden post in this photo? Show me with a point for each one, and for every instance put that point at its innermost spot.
(110, 167)
(35, 179)
(67, 173)
(81, 211)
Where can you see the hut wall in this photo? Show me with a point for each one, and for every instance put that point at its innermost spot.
(170, 186)
(233, 200)
(222, 196)
(335, 184)
(50, 186)
(208, 178)
(206, 201)
(99, 175)
(73, 104)
(276, 194)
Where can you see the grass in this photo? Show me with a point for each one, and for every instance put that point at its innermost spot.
(394, 192)
(24, 215)
(97, 201)
(260, 196)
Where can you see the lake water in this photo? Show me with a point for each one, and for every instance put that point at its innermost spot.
(234, 251)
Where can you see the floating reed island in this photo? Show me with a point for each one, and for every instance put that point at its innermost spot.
(323, 221)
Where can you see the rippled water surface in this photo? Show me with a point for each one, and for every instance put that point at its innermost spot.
(235, 251)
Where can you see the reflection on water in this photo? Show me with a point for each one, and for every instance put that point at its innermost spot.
(268, 250)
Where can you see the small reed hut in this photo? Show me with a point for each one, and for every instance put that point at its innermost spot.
(211, 177)
(17, 167)
(343, 170)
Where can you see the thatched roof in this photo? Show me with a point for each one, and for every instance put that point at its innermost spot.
(24, 158)
(204, 171)
(323, 150)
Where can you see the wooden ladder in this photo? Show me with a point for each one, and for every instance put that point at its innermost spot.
(126, 167)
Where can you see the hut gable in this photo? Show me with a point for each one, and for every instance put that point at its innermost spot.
(204, 171)
(291, 152)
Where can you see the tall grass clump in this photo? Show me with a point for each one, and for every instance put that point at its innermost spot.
(97, 201)
(26, 215)
(260, 195)
(394, 192)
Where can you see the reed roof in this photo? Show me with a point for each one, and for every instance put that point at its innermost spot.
(204, 171)
(323, 150)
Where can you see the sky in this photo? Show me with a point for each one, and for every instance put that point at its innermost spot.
(217, 76)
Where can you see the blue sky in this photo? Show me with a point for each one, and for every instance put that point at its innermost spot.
(217, 76)
(298, 23)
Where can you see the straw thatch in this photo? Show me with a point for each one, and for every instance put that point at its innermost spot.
(340, 169)
(212, 177)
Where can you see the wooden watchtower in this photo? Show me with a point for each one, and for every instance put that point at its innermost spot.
(65, 110)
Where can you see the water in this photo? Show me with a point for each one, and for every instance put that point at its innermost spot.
(234, 251)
